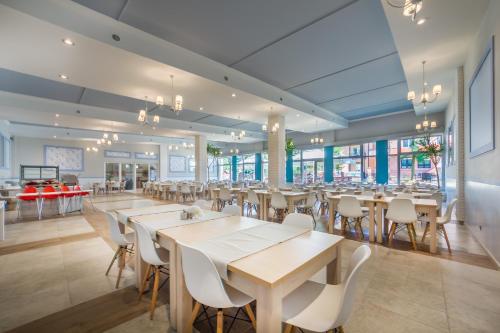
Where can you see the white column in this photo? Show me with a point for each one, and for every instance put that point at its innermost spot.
(163, 162)
(201, 158)
(276, 150)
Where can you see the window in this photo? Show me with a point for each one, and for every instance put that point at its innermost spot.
(424, 163)
(212, 168)
(265, 167)
(249, 167)
(369, 162)
(347, 163)
(224, 167)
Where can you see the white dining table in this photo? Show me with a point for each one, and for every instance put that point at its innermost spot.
(268, 275)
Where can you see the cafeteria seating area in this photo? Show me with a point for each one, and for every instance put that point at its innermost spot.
(264, 166)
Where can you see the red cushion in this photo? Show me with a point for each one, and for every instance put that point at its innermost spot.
(49, 189)
(29, 189)
(64, 188)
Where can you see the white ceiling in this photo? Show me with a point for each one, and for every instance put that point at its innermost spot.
(442, 41)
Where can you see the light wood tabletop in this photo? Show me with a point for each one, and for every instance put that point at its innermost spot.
(267, 275)
(377, 207)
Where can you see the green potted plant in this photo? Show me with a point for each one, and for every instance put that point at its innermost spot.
(289, 147)
(432, 150)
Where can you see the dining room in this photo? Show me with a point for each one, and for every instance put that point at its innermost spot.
(232, 166)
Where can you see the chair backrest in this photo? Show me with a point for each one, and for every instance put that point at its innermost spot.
(358, 258)
(224, 194)
(401, 210)
(64, 188)
(233, 210)
(203, 204)
(147, 245)
(252, 197)
(202, 278)
(349, 206)
(438, 196)
(404, 195)
(299, 220)
(114, 229)
(48, 189)
(30, 189)
(449, 209)
(311, 199)
(278, 200)
(185, 189)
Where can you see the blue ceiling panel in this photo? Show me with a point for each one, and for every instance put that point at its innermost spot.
(20, 83)
(378, 110)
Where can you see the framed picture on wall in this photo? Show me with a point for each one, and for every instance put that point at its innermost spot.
(177, 163)
(66, 158)
(482, 104)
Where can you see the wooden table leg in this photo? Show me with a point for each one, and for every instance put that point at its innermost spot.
(265, 208)
(334, 269)
(140, 265)
(380, 221)
(184, 299)
(172, 252)
(240, 203)
(331, 217)
(269, 309)
(432, 219)
(291, 205)
(371, 216)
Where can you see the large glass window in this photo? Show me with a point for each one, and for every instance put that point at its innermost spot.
(393, 162)
(369, 162)
(249, 167)
(265, 167)
(224, 166)
(212, 168)
(347, 163)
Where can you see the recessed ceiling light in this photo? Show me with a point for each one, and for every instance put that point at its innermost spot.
(421, 21)
(201, 108)
(56, 124)
(142, 133)
(298, 114)
(55, 136)
(233, 95)
(63, 76)
(57, 115)
(68, 41)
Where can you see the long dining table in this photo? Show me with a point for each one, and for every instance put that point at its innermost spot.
(267, 275)
(376, 215)
(265, 199)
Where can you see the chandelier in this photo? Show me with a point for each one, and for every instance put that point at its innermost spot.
(240, 136)
(144, 116)
(177, 100)
(425, 98)
(234, 151)
(410, 7)
(106, 140)
(317, 140)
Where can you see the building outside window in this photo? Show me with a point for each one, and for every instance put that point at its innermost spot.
(347, 163)
(212, 168)
(248, 167)
(313, 165)
(297, 166)
(224, 168)
(369, 162)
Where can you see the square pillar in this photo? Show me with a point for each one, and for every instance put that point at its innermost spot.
(328, 164)
(276, 150)
(382, 162)
(200, 158)
(258, 166)
(163, 162)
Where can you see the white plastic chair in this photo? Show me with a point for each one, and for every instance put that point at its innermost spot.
(208, 289)
(402, 214)
(252, 202)
(125, 244)
(404, 195)
(233, 210)
(308, 207)
(156, 264)
(203, 204)
(186, 193)
(350, 208)
(321, 307)
(441, 221)
(225, 196)
(279, 204)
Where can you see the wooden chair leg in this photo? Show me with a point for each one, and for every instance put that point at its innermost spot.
(360, 228)
(112, 261)
(220, 321)
(410, 234)
(446, 238)
(194, 314)
(154, 297)
(144, 281)
(288, 328)
(340, 329)
(426, 230)
(121, 262)
(391, 233)
(251, 315)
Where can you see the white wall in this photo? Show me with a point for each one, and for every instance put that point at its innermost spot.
(482, 176)
(30, 151)
(6, 172)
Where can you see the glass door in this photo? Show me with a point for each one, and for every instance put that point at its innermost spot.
(112, 171)
(320, 171)
(308, 171)
(141, 174)
(127, 175)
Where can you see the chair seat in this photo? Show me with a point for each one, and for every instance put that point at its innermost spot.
(238, 298)
(312, 306)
